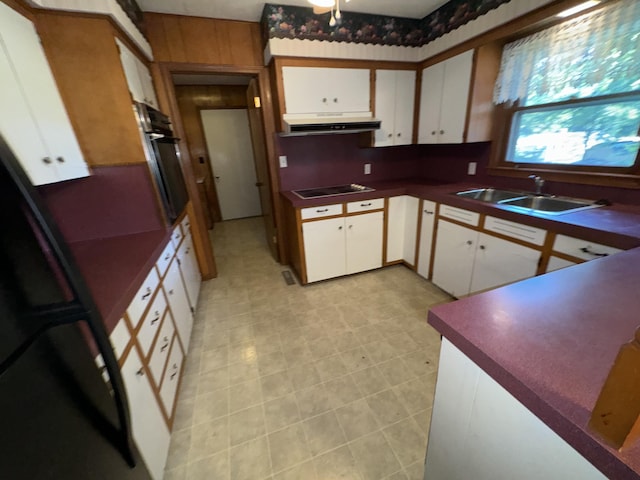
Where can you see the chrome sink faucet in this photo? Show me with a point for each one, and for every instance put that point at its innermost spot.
(539, 181)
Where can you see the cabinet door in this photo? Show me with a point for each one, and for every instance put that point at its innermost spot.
(179, 303)
(428, 215)
(130, 68)
(146, 83)
(412, 205)
(430, 103)
(385, 107)
(557, 263)
(455, 97)
(405, 89)
(171, 378)
(150, 430)
(324, 248)
(499, 262)
(38, 89)
(326, 90)
(395, 228)
(364, 241)
(453, 262)
(190, 271)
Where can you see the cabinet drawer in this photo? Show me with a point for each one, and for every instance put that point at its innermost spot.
(143, 297)
(176, 236)
(165, 259)
(582, 248)
(171, 376)
(320, 212)
(151, 322)
(463, 216)
(186, 226)
(161, 349)
(120, 338)
(365, 205)
(515, 230)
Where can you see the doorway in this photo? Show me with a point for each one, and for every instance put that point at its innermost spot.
(228, 139)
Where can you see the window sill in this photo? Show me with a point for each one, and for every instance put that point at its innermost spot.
(587, 178)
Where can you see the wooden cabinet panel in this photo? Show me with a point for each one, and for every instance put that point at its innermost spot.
(324, 248)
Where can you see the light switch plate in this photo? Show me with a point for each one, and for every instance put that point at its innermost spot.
(283, 161)
(471, 169)
(367, 168)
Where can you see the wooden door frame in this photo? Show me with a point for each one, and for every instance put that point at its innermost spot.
(162, 72)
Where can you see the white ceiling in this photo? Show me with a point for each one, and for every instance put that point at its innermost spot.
(251, 10)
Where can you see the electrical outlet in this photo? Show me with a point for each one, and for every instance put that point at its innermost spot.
(283, 161)
(471, 169)
(367, 168)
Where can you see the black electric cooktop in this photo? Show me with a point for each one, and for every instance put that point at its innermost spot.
(329, 191)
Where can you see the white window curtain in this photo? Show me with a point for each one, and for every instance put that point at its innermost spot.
(594, 54)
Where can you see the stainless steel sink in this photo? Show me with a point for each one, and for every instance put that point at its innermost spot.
(548, 205)
(491, 195)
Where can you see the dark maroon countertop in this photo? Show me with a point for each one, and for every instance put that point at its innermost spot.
(115, 267)
(551, 341)
(617, 225)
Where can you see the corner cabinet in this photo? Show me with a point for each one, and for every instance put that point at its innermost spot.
(313, 90)
(394, 106)
(402, 229)
(34, 121)
(444, 100)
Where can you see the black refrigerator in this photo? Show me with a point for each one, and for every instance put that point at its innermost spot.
(59, 419)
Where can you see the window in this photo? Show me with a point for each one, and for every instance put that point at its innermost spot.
(570, 95)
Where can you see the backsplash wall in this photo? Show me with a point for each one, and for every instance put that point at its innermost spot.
(324, 160)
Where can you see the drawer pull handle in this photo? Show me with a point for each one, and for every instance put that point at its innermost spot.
(47, 160)
(140, 372)
(428, 212)
(322, 211)
(157, 315)
(469, 242)
(144, 297)
(173, 375)
(164, 347)
(350, 226)
(186, 252)
(482, 247)
(167, 256)
(588, 251)
(60, 159)
(365, 204)
(171, 292)
(340, 227)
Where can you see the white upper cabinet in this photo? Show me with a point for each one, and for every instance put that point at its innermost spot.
(138, 77)
(34, 122)
(312, 90)
(444, 100)
(395, 96)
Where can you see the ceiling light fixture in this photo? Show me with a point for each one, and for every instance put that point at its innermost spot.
(324, 6)
(578, 8)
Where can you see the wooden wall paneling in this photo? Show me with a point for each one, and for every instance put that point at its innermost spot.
(486, 65)
(182, 39)
(86, 65)
(169, 104)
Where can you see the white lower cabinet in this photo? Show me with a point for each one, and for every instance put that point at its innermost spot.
(364, 242)
(179, 303)
(467, 261)
(150, 431)
(343, 245)
(190, 270)
(402, 229)
(498, 262)
(428, 214)
(557, 263)
(324, 249)
(454, 256)
(172, 377)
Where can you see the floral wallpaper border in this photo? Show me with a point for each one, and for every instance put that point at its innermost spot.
(283, 21)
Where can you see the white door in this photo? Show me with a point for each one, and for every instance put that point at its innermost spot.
(499, 262)
(455, 97)
(405, 89)
(324, 249)
(364, 242)
(229, 144)
(430, 102)
(426, 237)
(453, 262)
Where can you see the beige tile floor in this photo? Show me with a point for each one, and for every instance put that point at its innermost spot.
(332, 380)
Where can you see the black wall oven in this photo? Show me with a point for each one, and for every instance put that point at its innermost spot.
(163, 157)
